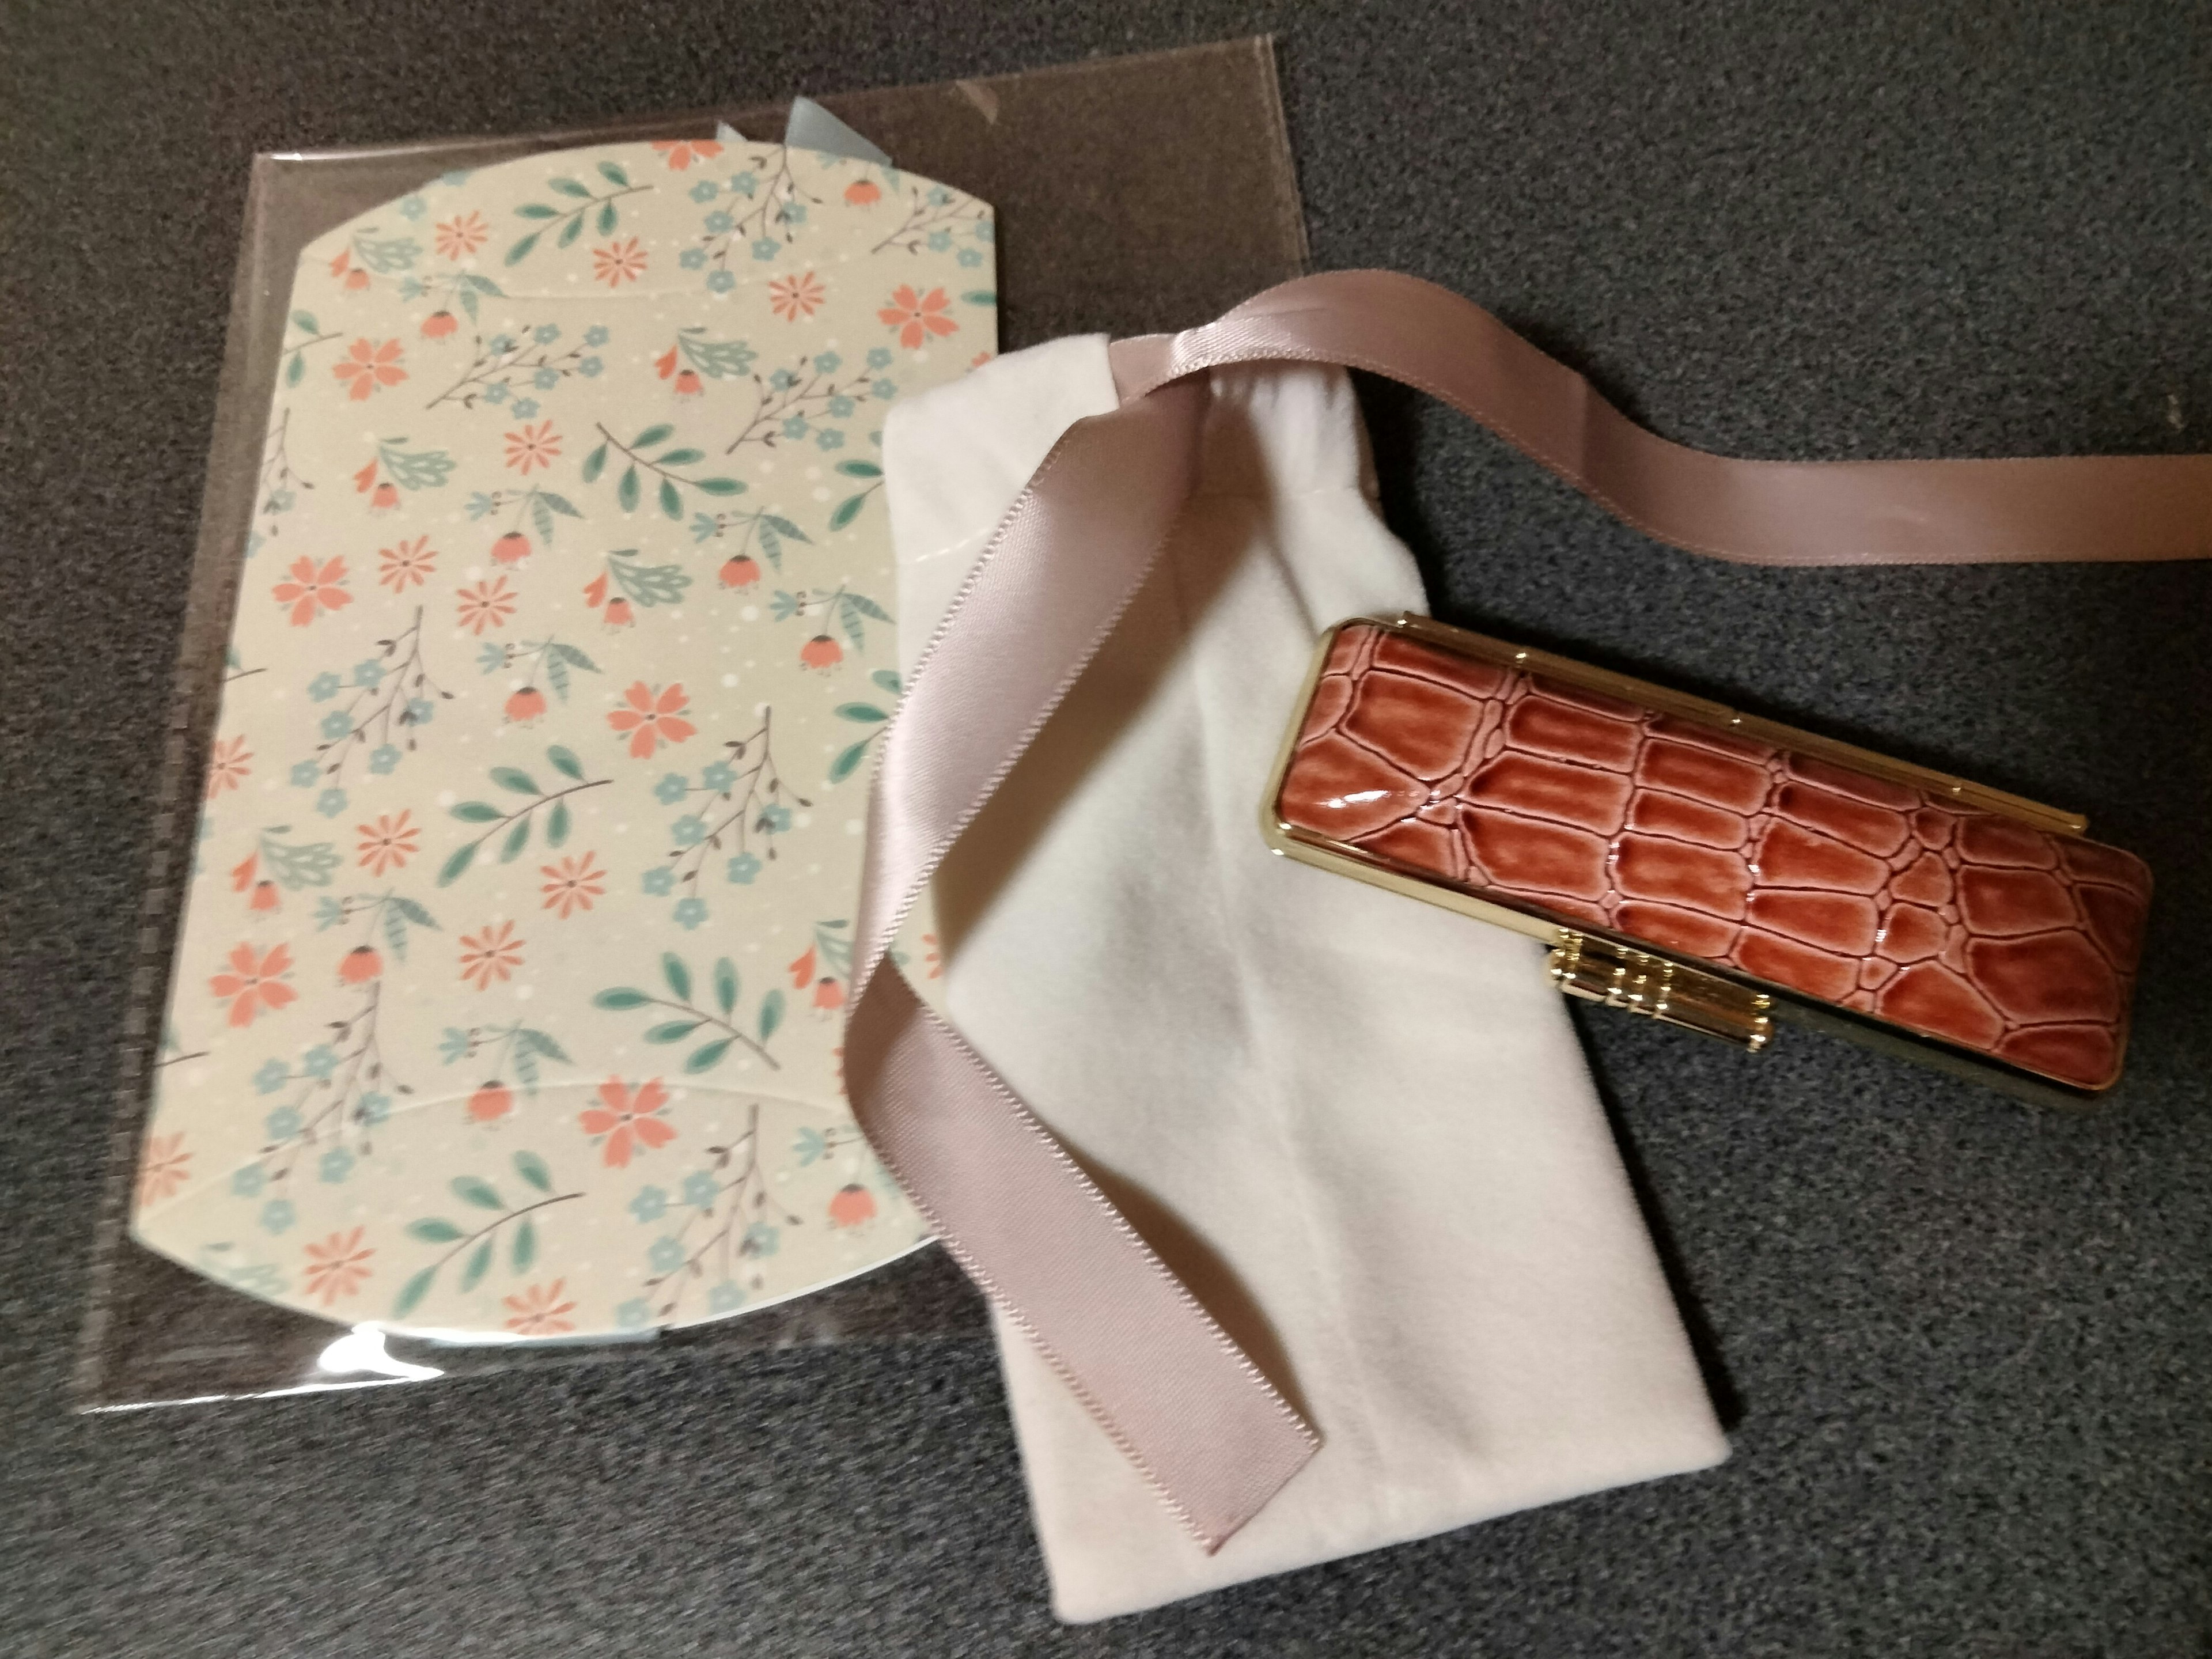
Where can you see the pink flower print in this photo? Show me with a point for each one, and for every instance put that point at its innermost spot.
(163, 1168)
(682, 152)
(538, 446)
(255, 981)
(916, 317)
(620, 261)
(572, 884)
(653, 717)
(408, 565)
(794, 297)
(461, 235)
(388, 843)
(628, 1118)
(312, 589)
(334, 1266)
(493, 954)
(227, 765)
(487, 605)
(368, 367)
(538, 1310)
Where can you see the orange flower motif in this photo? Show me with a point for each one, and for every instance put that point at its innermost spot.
(368, 367)
(488, 605)
(408, 565)
(494, 953)
(930, 959)
(794, 297)
(163, 1168)
(254, 982)
(461, 235)
(227, 765)
(572, 885)
(628, 1119)
(863, 192)
(682, 152)
(334, 1266)
(917, 316)
(620, 261)
(311, 590)
(851, 1205)
(538, 1310)
(653, 717)
(389, 844)
(538, 446)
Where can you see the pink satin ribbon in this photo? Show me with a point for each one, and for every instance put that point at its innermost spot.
(1205, 1427)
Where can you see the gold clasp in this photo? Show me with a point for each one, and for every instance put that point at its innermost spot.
(1620, 977)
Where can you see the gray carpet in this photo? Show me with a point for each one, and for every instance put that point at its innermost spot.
(1964, 1349)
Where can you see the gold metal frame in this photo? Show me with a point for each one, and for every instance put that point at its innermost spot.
(1597, 965)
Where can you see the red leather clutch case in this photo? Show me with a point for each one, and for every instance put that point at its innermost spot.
(1712, 869)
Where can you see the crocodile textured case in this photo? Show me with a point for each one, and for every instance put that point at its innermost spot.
(1708, 866)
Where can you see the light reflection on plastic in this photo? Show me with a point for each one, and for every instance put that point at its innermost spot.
(362, 1349)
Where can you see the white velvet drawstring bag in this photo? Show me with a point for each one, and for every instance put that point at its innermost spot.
(1358, 1127)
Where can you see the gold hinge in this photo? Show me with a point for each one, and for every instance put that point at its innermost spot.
(1598, 970)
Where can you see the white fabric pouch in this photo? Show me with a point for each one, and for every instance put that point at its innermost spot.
(1358, 1128)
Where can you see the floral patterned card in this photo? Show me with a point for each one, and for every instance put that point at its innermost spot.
(506, 1002)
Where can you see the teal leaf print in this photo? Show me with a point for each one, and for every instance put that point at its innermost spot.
(540, 1042)
(384, 255)
(481, 1242)
(478, 1263)
(708, 1057)
(475, 1189)
(691, 1019)
(564, 760)
(295, 865)
(517, 824)
(412, 1293)
(664, 466)
(718, 360)
(647, 584)
(599, 206)
(419, 469)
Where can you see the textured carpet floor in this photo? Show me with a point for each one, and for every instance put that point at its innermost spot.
(1965, 1350)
